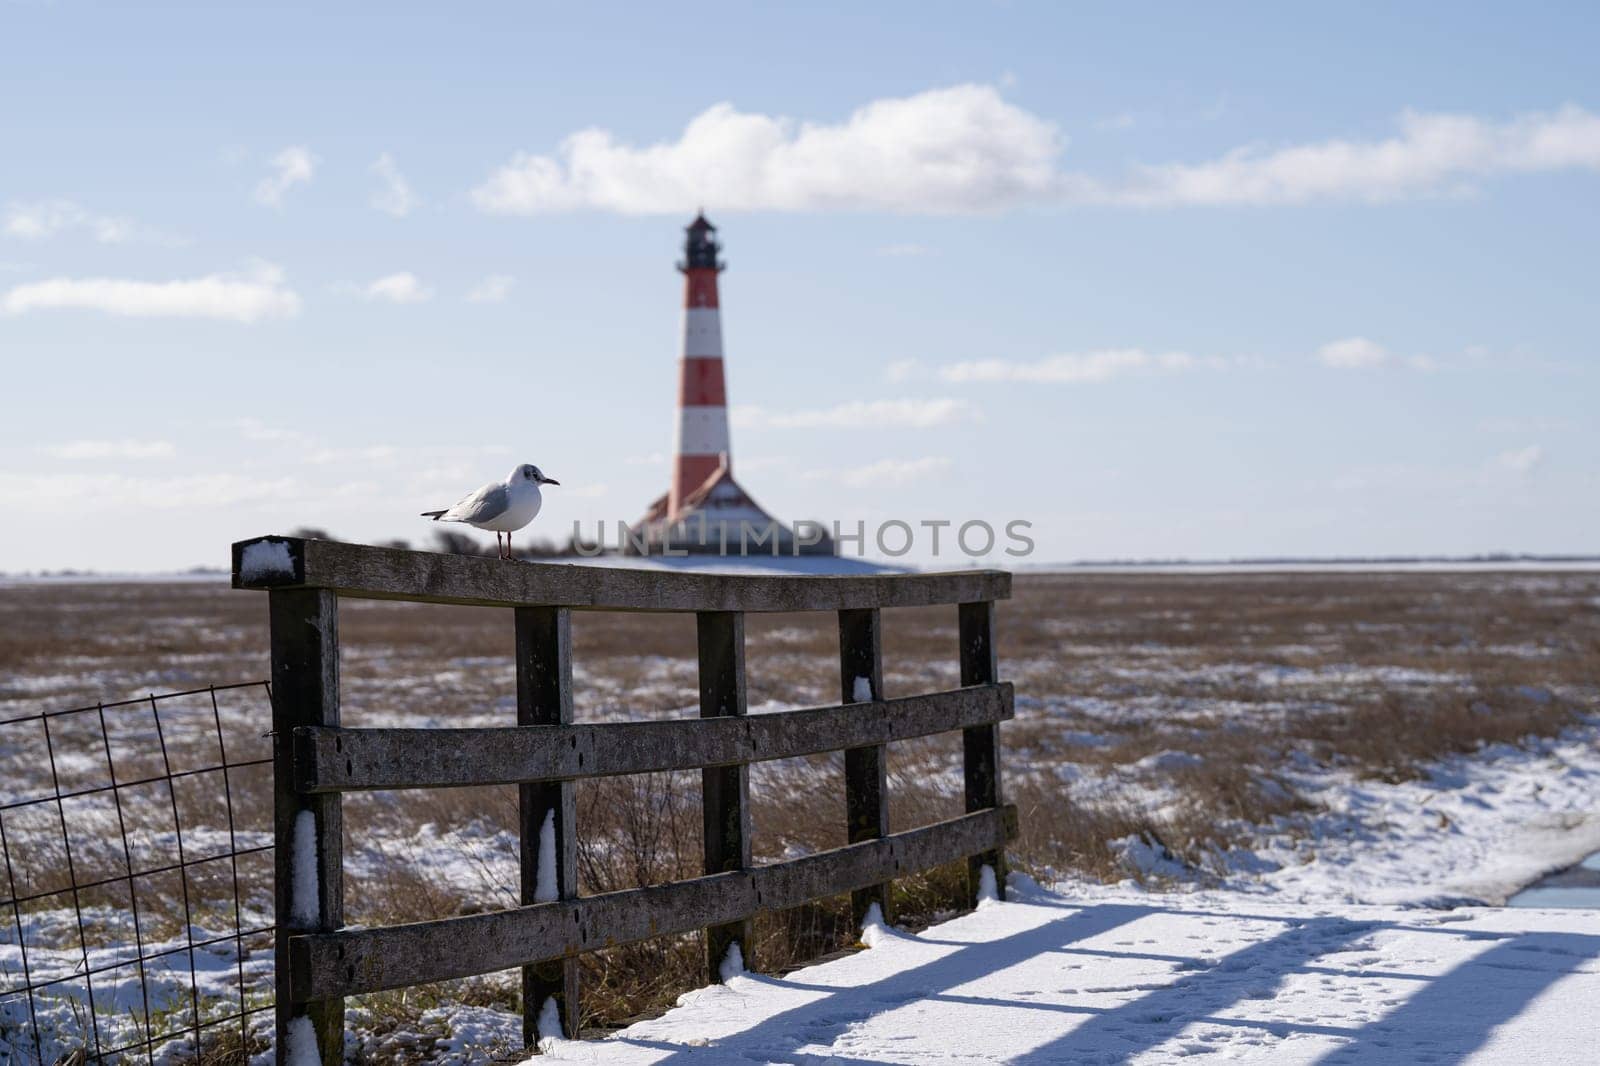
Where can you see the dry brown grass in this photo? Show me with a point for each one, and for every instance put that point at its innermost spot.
(1237, 674)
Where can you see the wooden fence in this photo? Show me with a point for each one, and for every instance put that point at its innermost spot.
(316, 761)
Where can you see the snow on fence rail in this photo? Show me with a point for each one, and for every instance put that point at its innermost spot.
(319, 963)
(132, 855)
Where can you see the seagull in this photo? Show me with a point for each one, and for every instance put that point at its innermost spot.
(502, 506)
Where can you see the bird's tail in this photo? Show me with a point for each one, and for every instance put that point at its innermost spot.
(435, 515)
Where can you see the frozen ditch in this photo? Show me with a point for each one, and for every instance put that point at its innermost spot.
(1576, 886)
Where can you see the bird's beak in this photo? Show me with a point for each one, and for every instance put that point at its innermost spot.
(551, 481)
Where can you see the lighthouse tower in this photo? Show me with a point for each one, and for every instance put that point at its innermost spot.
(706, 510)
(702, 441)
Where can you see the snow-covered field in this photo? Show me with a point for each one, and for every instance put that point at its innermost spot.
(1277, 752)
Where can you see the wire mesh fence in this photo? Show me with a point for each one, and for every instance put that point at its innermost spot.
(137, 909)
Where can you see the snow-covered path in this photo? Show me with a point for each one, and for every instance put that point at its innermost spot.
(1289, 961)
(1155, 979)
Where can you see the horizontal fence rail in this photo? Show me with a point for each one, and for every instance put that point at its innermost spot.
(319, 962)
(371, 960)
(348, 760)
(359, 571)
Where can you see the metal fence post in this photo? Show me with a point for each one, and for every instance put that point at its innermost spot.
(866, 770)
(544, 697)
(725, 790)
(307, 829)
(980, 745)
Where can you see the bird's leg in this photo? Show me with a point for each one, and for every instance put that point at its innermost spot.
(508, 546)
(499, 546)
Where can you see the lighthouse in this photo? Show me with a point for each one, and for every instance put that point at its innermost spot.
(705, 510)
(702, 441)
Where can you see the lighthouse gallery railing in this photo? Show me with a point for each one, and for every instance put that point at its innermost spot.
(316, 761)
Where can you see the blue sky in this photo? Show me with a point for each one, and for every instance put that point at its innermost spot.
(1162, 280)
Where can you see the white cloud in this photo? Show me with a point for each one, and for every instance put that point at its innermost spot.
(372, 454)
(47, 218)
(492, 289)
(965, 149)
(394, 197)
(1352, 353)
(239, 298)
(401, 288)
(1525, 424)
(1431, 154)
(111, 449)
(956, 150)
(1518, 460)
(295, 443)
(750, 464)
(96, 492)
(888, 472)
(902, 370)
(1123, 120)
(856, 414)
(1075, 368)
(902, 251)
(253, 429)
(1359, 353)
(290, 167)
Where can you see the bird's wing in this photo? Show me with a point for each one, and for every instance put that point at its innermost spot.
(484, 505)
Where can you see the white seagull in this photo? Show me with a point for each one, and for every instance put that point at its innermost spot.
(502, 506)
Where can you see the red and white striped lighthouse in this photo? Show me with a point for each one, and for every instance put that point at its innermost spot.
(706, 510)
(701, 447)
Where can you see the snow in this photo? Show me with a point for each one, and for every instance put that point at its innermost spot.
(1407, 856)
(1331, 566)
(471, 1035)
(1357, 937)
(303, 1043)
(1168, 761)
(754, 563)
(861, 692)
(732, 964)
(545, 887)
(306, 908)
(116, 577)
(1142, 854)
(54, 954)
(1129, 976)
(549, 1024)
(988, 889)
(873, 927)
(1475, 829)
(265, 558)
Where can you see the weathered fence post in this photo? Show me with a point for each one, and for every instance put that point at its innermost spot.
(307, 829)
(725, 790)
(866, 770)
(544, 697)
(980, 745)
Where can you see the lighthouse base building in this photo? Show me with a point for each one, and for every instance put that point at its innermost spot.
(720, 518)
(706, 511)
